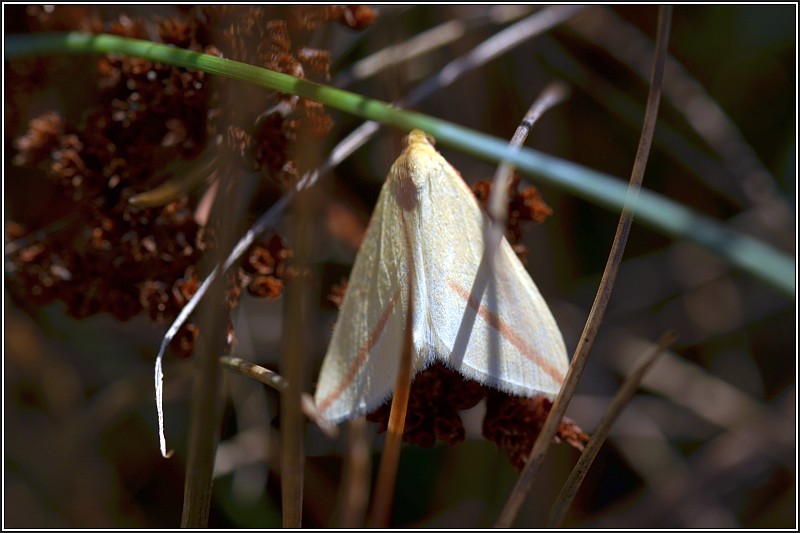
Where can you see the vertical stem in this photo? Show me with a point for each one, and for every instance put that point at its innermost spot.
(380, 516)
(214, 317)
(203, 432)
(293, 367)
(620, 401)
(357, 475)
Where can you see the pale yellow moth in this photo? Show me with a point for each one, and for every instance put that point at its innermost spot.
(428, 220)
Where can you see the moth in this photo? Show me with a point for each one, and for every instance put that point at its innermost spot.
(483, 317)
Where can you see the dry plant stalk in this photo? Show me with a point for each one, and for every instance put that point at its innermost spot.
(380, 514)
(357, 476)
(621, 399)
(206, 400)
(294, 360)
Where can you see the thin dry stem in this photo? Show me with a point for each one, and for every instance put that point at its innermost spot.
(418, 45)
(493, 47)
(277, 382)
(423, 43)
(620, 401)
(202, 172)
(252, 370)
(380, 515)
(542, 444)
(737, 457)
(688, 385)
(203, 432)
(293, 365)
(357, 476)
(552, 95)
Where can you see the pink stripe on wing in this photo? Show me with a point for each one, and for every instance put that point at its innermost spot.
(507, 333)
(361, 358)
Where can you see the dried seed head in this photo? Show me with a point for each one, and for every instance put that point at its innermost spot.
(512, 423)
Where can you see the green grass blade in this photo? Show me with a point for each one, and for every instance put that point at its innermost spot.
(751, 255)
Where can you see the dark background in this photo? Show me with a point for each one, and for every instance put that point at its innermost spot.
(708, 442)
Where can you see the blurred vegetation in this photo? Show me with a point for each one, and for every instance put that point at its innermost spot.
(709, 442)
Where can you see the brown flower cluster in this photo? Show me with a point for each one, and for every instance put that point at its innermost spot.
(74, 235)
(525, 206)
(265, 269)
(437, 394)
(512, 423)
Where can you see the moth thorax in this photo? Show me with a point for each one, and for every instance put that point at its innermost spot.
(406, 191)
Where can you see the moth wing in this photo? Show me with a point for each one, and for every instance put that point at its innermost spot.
(360, 366)
(488, 321)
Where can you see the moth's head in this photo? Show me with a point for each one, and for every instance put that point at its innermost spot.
(412, 171)
(419, 137)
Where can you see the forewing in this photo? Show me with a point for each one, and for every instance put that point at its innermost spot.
(488, 319)
(361, 363)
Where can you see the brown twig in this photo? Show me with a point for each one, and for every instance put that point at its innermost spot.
(425, 42)
(277, 382)
(497, 205)
(540, 448)
(294, 368)
(620, 401)
(202, 172)
(357, 475)
(203, 432)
